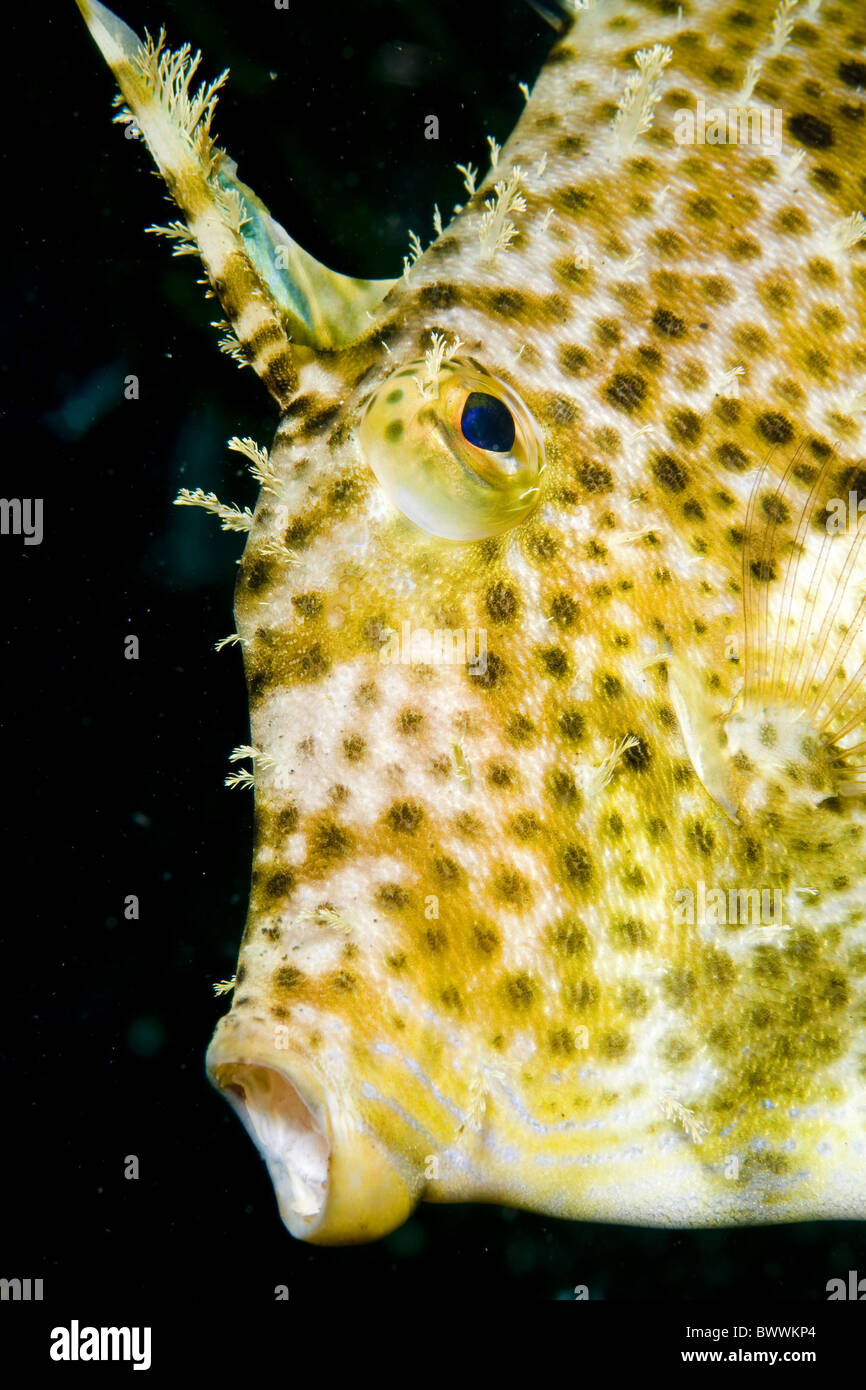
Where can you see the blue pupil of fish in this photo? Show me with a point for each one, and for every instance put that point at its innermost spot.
(487, 423)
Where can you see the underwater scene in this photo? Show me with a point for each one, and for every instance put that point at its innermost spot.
(436, 669)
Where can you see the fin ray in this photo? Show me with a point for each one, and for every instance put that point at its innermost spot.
(797, 647)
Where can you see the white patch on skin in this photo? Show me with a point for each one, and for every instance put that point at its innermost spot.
(528, 579)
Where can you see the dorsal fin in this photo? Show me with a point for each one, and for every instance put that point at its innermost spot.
(175, 121)
(276, 298)
(320, 307)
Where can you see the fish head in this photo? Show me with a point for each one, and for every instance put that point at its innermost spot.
(554, 675)
(400, 605)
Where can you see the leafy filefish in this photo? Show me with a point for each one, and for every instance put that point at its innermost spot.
(551, 610)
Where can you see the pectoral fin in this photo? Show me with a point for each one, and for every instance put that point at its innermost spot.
(798, 733)
(702, 734)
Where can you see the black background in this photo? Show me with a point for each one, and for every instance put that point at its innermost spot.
(112, 770)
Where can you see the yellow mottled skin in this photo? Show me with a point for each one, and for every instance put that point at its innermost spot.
(469, 970)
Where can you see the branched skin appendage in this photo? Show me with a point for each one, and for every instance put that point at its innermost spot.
(438, 352)
(551, 615)
(847, 233)
(232, 517)
(258, 460)
(596, 778)
(681, 1115)
(497, 230)
(636, 109)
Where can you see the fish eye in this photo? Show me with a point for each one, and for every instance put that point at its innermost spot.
(487, 423)
(454, 448)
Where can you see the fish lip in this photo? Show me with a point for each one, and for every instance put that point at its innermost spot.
(288, 1127)
(336, 1179)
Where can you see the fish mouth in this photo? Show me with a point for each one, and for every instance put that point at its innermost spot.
(336, 1180)
(290, 1139)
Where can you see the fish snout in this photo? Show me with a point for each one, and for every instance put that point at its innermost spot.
(333, 1183)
